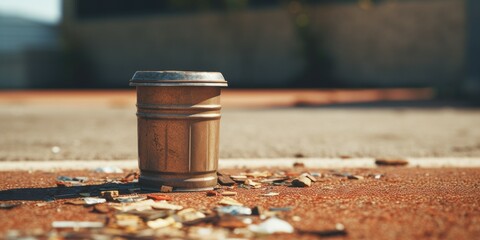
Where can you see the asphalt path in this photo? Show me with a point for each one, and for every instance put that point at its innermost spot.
(108, 132)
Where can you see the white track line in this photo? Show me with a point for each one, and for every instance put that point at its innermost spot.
(468, 162)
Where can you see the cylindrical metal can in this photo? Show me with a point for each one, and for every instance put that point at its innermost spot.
(178, 116)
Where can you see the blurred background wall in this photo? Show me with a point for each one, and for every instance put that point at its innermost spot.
(29, 53)
(267, 43)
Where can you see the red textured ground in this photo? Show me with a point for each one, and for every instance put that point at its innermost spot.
(250, 98)
(405, 203)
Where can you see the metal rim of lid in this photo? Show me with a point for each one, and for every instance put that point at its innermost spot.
(178, 78)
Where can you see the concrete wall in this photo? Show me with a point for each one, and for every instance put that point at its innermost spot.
(395, 43)
(410, 42)
(247, 50)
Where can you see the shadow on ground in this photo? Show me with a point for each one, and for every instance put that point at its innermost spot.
(52, 193)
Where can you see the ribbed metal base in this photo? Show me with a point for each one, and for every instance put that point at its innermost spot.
(153, 181)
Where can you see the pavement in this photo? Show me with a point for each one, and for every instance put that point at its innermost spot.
(108, 132)
(323, 163)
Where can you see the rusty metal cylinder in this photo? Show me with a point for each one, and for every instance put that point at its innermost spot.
(178, 116)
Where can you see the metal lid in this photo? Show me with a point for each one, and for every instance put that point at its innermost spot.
(178, 78)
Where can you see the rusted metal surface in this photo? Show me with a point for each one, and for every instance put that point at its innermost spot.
(178, 128)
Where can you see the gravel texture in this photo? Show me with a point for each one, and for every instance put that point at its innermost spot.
(402, 204)
(103, 132)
